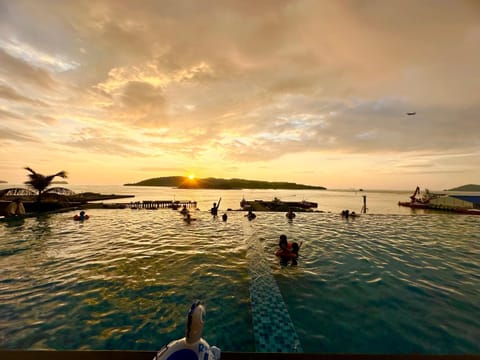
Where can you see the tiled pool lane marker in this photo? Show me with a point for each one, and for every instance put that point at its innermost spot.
(272, 327)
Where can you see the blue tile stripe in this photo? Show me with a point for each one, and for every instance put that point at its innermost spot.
(272, 326)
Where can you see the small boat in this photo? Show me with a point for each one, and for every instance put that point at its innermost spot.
(278, 205)
(414, 205)
(416, 202)
(461, 204)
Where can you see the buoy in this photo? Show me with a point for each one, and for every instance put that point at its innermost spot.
(192, 346)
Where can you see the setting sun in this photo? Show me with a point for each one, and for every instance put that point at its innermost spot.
(191, 176)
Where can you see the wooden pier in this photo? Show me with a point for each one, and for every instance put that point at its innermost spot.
(161, 204)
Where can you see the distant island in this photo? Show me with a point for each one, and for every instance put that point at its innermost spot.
(3, 182)
(469, 187)
(183, 182)
(59, 182)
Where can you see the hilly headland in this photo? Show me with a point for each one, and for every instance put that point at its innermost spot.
(468, 187)
(183, 182)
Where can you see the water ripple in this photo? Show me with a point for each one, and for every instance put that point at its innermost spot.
(122, 280)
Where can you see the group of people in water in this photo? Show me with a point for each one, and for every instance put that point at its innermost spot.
(347, 213)
(288, 251)
(214, 211)
(289, 215)
(187, 217)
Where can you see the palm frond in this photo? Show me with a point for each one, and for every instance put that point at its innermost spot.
(40, 182)
(62, 174)
(30, 169)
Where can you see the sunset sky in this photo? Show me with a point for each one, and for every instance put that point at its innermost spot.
(313, 92)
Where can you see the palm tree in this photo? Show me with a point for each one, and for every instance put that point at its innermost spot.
(40, 182)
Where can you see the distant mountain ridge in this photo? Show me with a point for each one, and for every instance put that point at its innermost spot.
(468, 187)
(183, 182)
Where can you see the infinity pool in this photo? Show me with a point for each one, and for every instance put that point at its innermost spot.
(125, 279)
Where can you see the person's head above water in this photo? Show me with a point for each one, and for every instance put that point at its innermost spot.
(283, 243)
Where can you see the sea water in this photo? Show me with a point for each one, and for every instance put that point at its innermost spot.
(390, 281)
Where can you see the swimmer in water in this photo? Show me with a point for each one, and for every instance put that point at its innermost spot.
(188, 218)
(290, 214)
(288, 251)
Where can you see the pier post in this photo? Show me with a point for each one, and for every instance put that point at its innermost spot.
(364, 207)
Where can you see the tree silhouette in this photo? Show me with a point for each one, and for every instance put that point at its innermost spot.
(40, 182)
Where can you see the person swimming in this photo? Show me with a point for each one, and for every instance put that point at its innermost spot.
(347, 214)
(288, 251)
(188, 218)
(251, 215)
(295, 249)
(81, 217)
(290, 214)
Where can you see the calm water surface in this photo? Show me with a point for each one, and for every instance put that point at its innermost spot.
(391, 281)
